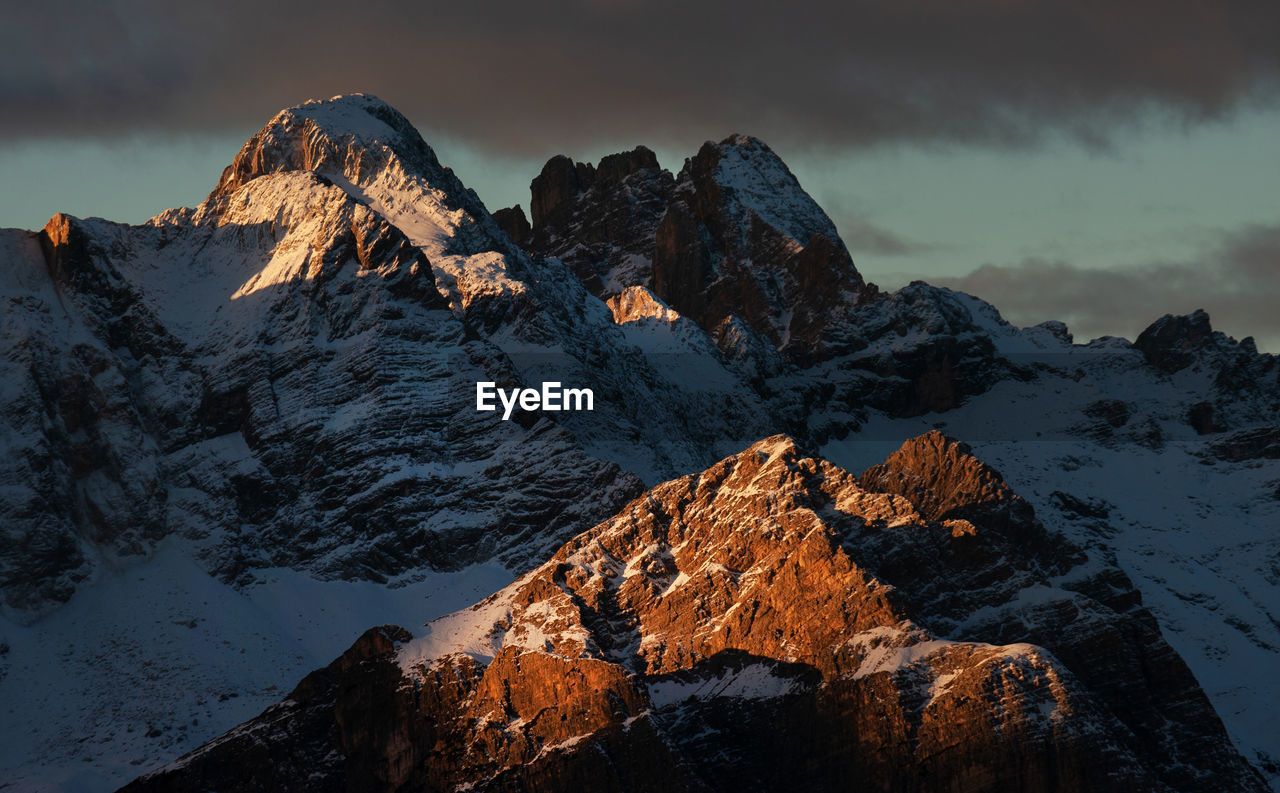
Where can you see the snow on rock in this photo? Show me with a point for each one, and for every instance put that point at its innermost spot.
(637, 303)
(756, 180)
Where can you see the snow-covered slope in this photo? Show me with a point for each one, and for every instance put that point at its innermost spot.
(151, 659)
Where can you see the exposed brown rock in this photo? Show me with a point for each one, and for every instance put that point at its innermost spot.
(600, 220)
(768, 624)
(942, 479)
(636, 302)
(515, 224)
(554, 189)
(715, 257)
(1171, 341)
(696, 242)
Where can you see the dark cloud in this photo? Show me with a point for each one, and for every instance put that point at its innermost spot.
(863, 236)
(528, 77)
(1237, 281)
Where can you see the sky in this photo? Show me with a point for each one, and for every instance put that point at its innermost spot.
(1092, 162)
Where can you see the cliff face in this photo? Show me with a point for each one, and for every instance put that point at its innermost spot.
(741, 238)
(944, 480)
(768, 622)
(600, 219)
(732, 236)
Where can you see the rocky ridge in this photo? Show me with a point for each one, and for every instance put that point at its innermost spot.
(770, 601)
(733, 235)
(735, 244)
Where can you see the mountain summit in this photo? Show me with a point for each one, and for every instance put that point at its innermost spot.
(369, 149)
(732, 239)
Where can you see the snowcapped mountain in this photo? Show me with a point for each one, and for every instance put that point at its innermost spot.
(239, 435)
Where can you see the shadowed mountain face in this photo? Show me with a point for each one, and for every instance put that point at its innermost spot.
(271, 399)
(733, 236)
(768, 622)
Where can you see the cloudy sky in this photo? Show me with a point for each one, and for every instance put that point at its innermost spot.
(1096, 162)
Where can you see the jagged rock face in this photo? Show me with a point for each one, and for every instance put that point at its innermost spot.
(1169, 342)
(742, 238)
(637, 303)
(918, 350)
(78, 460)
(600, 220)
(765, 623)
(733, 235)
(370, 151)
(362, 140)
(943, 480)
(1174, 344)
(736, 245)
(513, 221)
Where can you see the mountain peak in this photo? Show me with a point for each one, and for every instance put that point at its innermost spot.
(741, 237)
(350, 134)
(751, 177)
(351, 105)
(370, 150)
(1170, 342)
(733, 235)
(354, 113)
(746, 141)
(942, 478)
(555, 190)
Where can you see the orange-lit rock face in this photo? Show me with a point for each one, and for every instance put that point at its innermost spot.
(638, 303)
(735, 585)
(939, 476)
(739, 558)
(771, 624)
